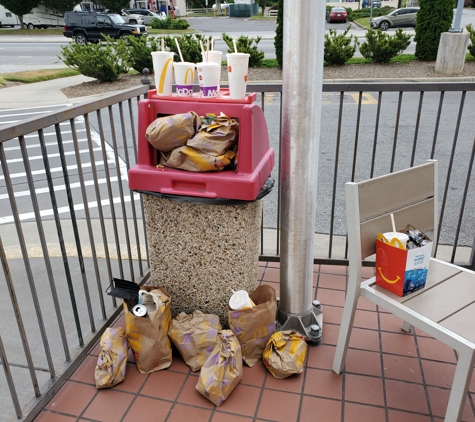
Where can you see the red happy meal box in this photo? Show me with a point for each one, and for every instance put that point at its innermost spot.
(399, 270)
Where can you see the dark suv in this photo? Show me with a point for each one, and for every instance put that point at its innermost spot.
(89, 26)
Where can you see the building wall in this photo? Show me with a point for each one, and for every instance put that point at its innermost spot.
(358, 4)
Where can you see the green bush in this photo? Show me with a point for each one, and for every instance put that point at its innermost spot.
(381, 47)
(471, 31)
(365, 13)
(245, 45)
(169, 23)
(338, 48)
(279, 33)
(433, 18)
(98, 61)
(189, 46)
(137, 51)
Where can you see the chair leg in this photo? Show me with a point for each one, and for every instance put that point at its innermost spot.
(345, 329)
(406, 327)
(458, 394)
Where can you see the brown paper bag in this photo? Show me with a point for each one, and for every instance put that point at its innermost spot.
(195, 337)
(254, 326)
(222, 371)
(170, 132)
(148, 336)
(190, 159)
(285, 354)
(216, 135)
(112, 360)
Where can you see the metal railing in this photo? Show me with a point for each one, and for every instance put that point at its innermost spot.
(69, 223)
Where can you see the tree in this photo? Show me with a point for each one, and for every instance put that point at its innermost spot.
(262, 4)
(60, 5)
(279, 33)
(433, 18)
(114, 5)
(20, 7)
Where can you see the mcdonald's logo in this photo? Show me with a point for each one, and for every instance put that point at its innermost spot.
(189, 72)
(164, 75)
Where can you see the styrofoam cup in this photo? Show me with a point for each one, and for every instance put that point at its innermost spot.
(403, 237)
(215, 56)
(163, 70)
(208, 76)
(240, 300)
(238, 65)
(184, 78)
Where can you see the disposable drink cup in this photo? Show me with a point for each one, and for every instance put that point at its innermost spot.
(238, 65)
(215, 57)
(184, 78)
(163, 69)
(402, 237)
(240, 300)
(208, 75)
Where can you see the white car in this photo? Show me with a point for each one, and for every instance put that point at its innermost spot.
(223, 6)
(132, 18)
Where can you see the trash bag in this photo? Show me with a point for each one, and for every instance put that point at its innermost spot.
(112, 361)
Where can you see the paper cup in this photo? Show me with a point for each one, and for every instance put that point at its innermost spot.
(163, 69)
(238, 64)
(403, 238)
(208, 75)
(184, 78)
(216, 57)
(241, 301)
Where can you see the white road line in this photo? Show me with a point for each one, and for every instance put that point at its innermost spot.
(40, 157)
(48, 144)
(34, 108)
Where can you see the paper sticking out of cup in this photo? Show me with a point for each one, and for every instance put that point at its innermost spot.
(401, 237)
(208, 76)
(240, 300)
(238, 65)
(184, 78)
(163, 70)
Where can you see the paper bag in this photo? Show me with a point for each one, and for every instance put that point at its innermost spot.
(170, 132)
(190, 159)
(195, 337)
(112, 360)
(216, 135)
(254, 326)
(399, 270)
(148, 336)
(285, 354)
(222, 371)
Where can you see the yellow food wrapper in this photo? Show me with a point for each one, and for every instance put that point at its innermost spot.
(222, 371)
(285, 354)
(148, 336)
(190, 159)
(195, 337)
(169, 132)
(254, 326)
(112, 361)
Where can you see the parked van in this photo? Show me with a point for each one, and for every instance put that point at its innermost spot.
(7, 18)
(42, 17)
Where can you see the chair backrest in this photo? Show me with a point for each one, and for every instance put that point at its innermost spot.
(410, 195)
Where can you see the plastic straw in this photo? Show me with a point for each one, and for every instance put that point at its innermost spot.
(392, 221)
(234, 43)
(212, 44)
(179, 51)
(163, 45)
(207, 49)
(235, 294)
(203, 52)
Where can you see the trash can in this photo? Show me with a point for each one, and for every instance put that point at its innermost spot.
(203, 229)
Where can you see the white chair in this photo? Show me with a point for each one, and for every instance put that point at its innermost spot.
(445, 307)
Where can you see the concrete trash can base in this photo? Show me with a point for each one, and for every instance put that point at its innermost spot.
(199, 252)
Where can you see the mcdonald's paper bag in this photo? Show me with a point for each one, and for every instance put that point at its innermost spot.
(112, 361)
(285, 354)
(222, 371)
(148, 335)
(399, 270)
(195, 337)
(254, 326)
(170, 132)
(190, 159)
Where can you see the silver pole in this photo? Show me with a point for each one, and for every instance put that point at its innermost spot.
(458, 17)
(304, 30)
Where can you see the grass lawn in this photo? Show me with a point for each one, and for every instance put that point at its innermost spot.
(30, 76)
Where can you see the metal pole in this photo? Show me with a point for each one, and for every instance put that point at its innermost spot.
(458, 17)
(304, 30)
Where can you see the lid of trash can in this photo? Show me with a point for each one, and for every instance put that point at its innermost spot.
(123, 289)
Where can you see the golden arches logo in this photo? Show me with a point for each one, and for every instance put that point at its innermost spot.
(189, 73)
(164, 75)
(386, 279)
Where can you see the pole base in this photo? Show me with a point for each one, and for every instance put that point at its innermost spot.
(309, 324)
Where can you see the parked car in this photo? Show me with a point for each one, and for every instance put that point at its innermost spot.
(374, 3)
(148, 15)
(132, 18)
(89, 26)
(405, 16)
(337, 14)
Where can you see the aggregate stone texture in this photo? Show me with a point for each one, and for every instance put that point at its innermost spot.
(199, 252)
